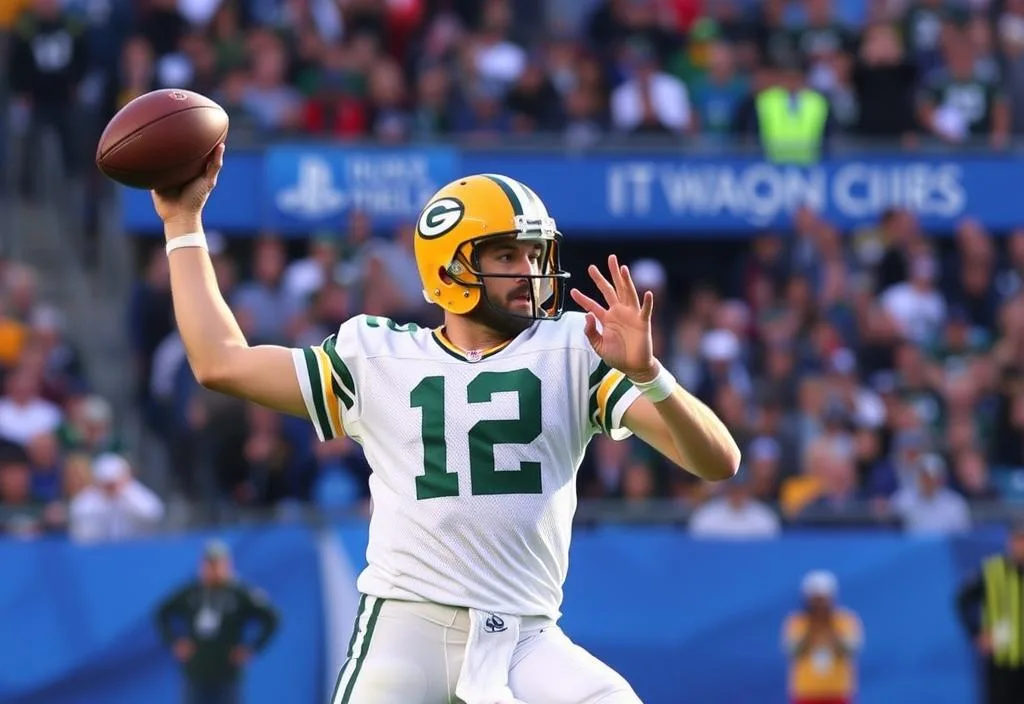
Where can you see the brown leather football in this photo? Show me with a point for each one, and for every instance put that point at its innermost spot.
(162, 139)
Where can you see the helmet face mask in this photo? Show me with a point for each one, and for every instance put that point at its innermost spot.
(544, 288)
(468, 215)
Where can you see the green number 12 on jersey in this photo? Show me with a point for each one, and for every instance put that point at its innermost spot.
(436, 481)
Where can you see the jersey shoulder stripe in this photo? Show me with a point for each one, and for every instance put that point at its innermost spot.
(317, 383)
(346, 385)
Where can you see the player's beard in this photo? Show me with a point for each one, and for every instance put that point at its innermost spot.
(496, 316)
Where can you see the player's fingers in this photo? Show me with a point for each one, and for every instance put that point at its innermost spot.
(616, 274)
(607, 290)
(647, 309)
(215, 164)
(590, 330)
(628, 291)
(588, 304)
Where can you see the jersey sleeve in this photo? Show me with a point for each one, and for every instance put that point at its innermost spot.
(325, 373)
(610, 395)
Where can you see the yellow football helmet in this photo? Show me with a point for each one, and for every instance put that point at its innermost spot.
(469, 211)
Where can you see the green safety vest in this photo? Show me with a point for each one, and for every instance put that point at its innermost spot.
(1001, 616)
(791, 136)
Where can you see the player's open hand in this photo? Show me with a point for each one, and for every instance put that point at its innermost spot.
(621, 332)
(185, 203)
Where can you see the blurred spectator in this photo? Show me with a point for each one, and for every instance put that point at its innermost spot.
(48, 61)
(24, 513)
(735, 515)
(649, 100)
(996, 628)
(207, 624)
(792, 122)
(931, 506)
(884, 79)
(718, 93)
(116, 506)
(822, 641)
(915, 305)
(963, 99)
(24, 414)
(262, 304)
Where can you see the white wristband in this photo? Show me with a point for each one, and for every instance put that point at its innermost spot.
(196, 239)
(660, 387)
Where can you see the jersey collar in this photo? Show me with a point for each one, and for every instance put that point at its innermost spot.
(466, 356)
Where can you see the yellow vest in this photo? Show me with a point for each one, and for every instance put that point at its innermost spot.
(791, 136)
(818, 673)
(1002, 617)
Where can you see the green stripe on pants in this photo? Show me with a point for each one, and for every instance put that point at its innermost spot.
(370, 624)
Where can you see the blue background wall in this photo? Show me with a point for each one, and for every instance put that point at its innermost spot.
(295, 189)
(683, 620)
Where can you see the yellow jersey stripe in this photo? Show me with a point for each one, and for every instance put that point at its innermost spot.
(603, 392)
(331, 400)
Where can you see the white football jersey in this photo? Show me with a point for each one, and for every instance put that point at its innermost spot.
(474, 457)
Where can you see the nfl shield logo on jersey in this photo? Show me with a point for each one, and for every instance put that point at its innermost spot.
(494, 624)
(474, 355)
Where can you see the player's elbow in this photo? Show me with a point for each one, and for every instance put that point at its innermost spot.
(725, 464)
(213, 377)
(220, 368)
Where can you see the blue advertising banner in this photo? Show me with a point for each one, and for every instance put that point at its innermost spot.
(309, 188)
(298, 189)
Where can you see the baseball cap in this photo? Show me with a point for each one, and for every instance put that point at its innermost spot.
(109, 468)
(820, 583)
(216, 549)
(932, 465)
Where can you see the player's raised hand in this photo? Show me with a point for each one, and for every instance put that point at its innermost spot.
(620, 332)
(185, 203)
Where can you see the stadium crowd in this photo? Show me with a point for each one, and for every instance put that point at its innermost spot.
(399, 70)
(861, 370)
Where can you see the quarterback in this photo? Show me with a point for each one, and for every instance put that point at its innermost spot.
(474, 432)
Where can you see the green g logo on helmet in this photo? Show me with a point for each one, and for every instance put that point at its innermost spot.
(440, 217)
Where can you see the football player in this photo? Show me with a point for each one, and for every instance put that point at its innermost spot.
(474, 432)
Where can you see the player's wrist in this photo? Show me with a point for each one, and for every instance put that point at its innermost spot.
(178, 227)
(657, 384)
(644, 376)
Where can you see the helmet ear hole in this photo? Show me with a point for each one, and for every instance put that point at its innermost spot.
(442, 272)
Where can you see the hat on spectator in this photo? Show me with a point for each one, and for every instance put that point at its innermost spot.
(110, 468)
(215, 550)
(819, 583)
(647, 274)
(173, 71)
(764, 448)
(932, 465)
(720, 346)
(96, 409)
(704, 30)
(843, 361)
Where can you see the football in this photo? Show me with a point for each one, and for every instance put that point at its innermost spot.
(162, 139)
